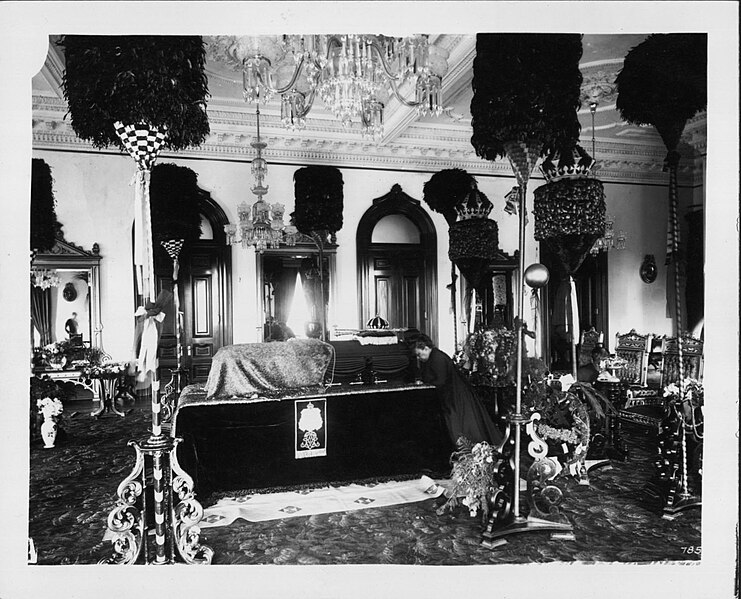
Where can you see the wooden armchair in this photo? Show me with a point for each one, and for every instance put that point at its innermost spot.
(634, 349)
(692, 359)
(644, 404)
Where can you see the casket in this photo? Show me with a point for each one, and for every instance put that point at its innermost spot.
(346, 433)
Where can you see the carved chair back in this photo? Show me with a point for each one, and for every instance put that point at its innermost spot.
(692, 359)
(634, 349)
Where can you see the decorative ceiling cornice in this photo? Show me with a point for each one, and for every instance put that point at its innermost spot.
(598, 83)
(419, 147)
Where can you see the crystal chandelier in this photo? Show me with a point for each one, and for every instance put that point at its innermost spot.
(260, 225)
(608, 240)
(353, 74)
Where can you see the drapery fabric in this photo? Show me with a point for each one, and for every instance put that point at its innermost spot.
(254, 368)
(285, 287)
(41, 313)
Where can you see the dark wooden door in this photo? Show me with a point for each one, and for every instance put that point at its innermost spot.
(397, 286)
(202, 293)
(202, 310)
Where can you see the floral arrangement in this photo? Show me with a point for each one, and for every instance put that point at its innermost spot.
(101, 371)
(546, 431)
(473, 477)
(52, 351)
(144, 79)
(525, 87)
(50, 407)
(564, 419)
(486, 355)
(689, 390)
(44, 388)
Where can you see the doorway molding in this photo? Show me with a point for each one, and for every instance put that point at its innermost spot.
(397, 202)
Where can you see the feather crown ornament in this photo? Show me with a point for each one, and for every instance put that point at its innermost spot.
(174, 199)
(446, 189)
(520, 93)
(663, 83)
(567, 163)
(44, 225)
(157, 81)
(319, 200)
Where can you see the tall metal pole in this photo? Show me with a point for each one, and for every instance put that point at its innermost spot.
(520, 315)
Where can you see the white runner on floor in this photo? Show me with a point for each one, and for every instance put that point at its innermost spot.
(308, 502)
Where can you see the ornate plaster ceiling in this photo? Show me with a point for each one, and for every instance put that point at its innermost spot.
(624, 152)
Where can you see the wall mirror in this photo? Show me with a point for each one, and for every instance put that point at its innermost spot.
(290, 290)
(65, 296)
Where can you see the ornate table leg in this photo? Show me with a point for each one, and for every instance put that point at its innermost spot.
(107, 388)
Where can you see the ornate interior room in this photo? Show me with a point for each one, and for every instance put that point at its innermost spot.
(353, 299)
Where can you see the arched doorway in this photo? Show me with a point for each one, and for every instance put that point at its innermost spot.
(204, 287)
(397, 263)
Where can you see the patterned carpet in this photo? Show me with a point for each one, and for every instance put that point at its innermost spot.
(615, 519)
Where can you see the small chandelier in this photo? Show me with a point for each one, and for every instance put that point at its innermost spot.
(260, 225)
(353, 74)
(608, 240)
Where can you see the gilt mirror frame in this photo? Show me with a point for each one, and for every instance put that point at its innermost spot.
(66, 256)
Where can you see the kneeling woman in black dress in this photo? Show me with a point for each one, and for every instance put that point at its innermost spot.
(465, 415)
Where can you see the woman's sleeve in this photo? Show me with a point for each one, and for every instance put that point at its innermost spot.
(435, 370)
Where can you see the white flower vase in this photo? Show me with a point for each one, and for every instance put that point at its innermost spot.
(49, 432)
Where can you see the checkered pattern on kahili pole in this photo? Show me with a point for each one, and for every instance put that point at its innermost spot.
(144, 144)
(173, 247)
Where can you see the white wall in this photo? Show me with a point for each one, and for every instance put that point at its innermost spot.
(95, 204)
(642, 212)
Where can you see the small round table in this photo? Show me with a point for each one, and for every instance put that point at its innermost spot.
(107, 385)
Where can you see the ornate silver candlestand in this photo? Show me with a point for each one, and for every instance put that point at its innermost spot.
(156, 517)
(161, 526)
(543, 496)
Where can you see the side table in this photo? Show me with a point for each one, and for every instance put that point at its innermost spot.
(107, 386)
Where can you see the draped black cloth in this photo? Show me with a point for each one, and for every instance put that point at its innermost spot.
(463, 411)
